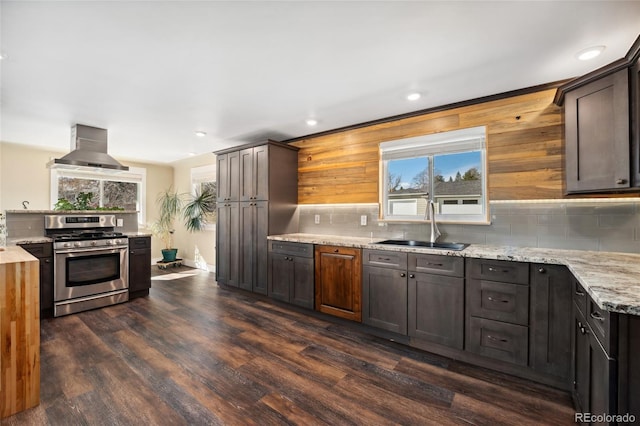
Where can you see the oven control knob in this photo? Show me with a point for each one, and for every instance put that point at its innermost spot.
(94, 243)
(77, 244)
(65, 245)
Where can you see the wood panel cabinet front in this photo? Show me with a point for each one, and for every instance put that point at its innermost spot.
(597, 135)
(339, 281)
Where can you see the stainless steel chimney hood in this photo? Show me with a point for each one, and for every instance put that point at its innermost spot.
(88, 149)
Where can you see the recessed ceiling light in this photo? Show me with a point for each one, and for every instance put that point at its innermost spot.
(311, 122)
(590, 52)
(201, 134)
(3, 56)
(414, 96)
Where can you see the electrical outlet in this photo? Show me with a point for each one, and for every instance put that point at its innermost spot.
(317, 219)
(120, 222)
(363, 220)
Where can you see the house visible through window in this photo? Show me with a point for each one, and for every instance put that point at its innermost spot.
(447, 168)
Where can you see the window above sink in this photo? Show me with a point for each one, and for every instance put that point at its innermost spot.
(448, 168)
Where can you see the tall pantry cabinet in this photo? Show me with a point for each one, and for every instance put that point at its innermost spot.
(257, 197)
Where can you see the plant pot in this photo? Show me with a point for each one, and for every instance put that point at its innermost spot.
(169, 255)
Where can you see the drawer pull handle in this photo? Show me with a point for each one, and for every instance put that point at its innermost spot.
(491, 299)
(597, 316)
(386, 259)
(541, 270)
(434, 264)
(492, 269)
(403, 274)
(336, 251)
(497, 339)
(579, 293)
(621, 181)
(412, 276)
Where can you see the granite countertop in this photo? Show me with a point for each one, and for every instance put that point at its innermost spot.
(137, 234)
(28, 240)
(611, 279)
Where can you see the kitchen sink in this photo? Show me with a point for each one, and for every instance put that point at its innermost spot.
(413, 243)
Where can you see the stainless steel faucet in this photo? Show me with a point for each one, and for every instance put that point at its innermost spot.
(435, 232)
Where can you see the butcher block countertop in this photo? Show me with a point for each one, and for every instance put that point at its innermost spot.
(19, 331)
(611, 279)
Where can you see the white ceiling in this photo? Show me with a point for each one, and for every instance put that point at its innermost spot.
(154, 72)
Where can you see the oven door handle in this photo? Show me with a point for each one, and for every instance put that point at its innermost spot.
(92, 249)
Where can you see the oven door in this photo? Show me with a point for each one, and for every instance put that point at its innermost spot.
(86, 272)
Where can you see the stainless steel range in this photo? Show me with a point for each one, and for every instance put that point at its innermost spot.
(90, 262)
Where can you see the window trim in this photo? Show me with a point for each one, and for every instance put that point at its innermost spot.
(134, 175)
(432, 145)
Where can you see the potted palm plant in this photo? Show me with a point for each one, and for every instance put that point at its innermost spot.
(170, 206)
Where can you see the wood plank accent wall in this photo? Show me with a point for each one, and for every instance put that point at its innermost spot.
(19, 331)
(524, 151)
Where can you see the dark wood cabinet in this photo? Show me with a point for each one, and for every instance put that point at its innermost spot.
(44, 253)
(384, 290)
(254, 173)
(436, 300)
(497, 309)
(629, 367)
(597, 135)
(139, 266)
(262, 183)
(338, 282)
(550, 322)
(594, 370)
(253, 243)
(602, 129)
(228, 171)
(291, 273)
(228, 243)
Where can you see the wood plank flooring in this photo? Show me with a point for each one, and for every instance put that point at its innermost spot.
(192, 353)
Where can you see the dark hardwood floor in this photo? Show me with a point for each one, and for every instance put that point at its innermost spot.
(192, 353)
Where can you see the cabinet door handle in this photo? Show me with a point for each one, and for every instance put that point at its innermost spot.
(579, 293)
(542, 270)
(402, 274)
(497, 339)
(412, 276)
(336, 251)
(597, 316)
(47, 261)
(621, 181)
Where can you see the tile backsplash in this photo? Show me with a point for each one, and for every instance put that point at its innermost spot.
(599, 225)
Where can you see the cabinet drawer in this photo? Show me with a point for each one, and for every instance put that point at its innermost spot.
(579, 296)
(499, 270)
(498, 301)
(499, 340)
(387, 259)
(293, 249)
(436, 264)
(39, 250)
(139, 242)
(602, 323)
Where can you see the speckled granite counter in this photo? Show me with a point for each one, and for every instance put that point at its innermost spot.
(611, 279)
(27, 240)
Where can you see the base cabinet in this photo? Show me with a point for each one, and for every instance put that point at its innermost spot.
(338, 281)
(139, 266)
(384, 298)
(291, 273)
(550, 323)
(436, 300)
(44, 253)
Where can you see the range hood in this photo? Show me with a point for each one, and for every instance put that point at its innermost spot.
(88, 150)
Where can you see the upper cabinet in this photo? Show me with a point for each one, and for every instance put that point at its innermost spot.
(602, 144)
(228, 169)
